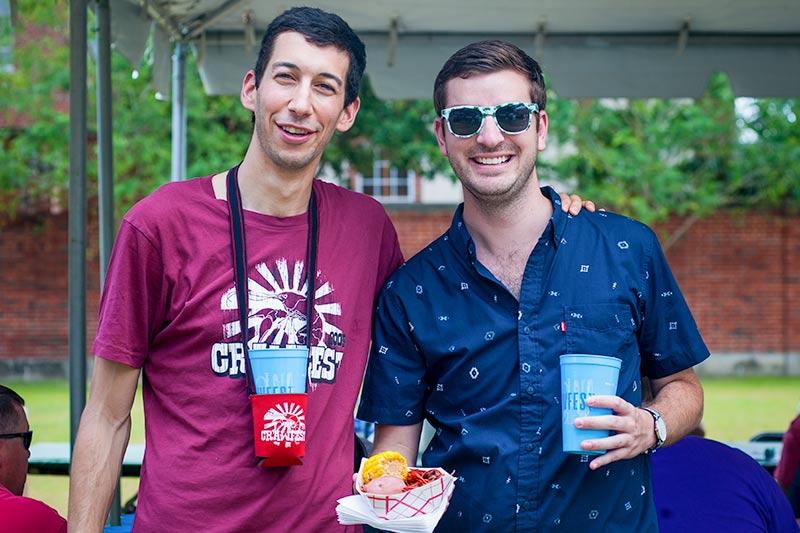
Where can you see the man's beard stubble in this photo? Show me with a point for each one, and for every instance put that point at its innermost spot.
(497, 200)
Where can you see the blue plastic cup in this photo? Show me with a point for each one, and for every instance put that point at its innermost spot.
(279, 370)
(583, 376)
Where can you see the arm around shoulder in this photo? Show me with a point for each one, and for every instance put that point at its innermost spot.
(100, 445)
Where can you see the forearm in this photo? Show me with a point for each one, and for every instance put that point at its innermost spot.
(100, 445)
(402, 439)
(96, 463)
(680, 401)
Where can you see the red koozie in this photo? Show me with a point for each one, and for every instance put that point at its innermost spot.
(279, 428)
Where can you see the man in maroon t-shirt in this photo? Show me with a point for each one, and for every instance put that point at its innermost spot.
(19, 514)
(169, 311)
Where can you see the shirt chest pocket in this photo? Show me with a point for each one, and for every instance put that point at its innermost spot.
(600, 329)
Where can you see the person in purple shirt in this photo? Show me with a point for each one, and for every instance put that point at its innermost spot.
(703, 485)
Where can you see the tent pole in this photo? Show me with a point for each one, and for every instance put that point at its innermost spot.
(105, 137)
(179, 112)
(77, 215)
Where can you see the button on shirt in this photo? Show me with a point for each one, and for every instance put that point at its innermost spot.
(452, 345)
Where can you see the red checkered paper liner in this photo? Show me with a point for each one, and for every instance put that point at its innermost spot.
(418, 501)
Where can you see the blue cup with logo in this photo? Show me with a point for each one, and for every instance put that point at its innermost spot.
(279, 370)
(584, 376)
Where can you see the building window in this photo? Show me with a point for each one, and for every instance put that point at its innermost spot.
(388, 184)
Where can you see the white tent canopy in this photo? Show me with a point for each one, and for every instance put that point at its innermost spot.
(608, 48)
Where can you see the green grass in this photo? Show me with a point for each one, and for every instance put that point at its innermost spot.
(735, 409)
(738, 408)
(48, 414)
(48, 410)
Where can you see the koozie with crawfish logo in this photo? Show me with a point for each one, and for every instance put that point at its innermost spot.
(279, 428)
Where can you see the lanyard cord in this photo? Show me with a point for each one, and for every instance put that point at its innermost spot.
(239, 248)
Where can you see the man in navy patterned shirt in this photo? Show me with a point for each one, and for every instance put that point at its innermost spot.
(469, 332)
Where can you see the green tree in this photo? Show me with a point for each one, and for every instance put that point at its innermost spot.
(646, 158)
(654, 158)
(400, 131)
(34, 163)
(769, 159)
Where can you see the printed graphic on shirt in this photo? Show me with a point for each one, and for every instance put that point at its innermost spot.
(277, 319)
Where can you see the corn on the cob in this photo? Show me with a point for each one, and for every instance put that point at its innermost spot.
(385, 464)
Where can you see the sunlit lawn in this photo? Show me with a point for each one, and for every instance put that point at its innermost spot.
(738, 408)
(48, 413)
(735, 409)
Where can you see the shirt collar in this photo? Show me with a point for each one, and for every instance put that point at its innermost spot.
(559, 218)
(459, 235)
(461, 239)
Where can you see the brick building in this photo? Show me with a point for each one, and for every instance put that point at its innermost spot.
(740, 273)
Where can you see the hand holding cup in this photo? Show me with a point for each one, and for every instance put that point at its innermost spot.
(633, 429)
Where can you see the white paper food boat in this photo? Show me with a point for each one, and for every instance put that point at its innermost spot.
(419, 501)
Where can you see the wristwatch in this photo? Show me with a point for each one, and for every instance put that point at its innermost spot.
(659, 428)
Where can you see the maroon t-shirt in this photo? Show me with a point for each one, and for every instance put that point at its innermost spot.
(790, 455)
(169, 307)
(19, 514)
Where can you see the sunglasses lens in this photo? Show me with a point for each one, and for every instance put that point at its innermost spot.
(465, 121)
(26, 440)
(513, 118)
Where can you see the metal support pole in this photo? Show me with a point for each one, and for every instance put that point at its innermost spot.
(104, 136)
(179, 112)
(105, 160)
(77, 214)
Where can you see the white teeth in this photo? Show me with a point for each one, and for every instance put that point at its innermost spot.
(295, 131)
(492, 160)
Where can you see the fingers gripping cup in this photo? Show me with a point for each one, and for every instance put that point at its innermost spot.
(584, 376)
(279, 405)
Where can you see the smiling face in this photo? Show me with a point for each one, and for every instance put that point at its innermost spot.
(299, 103)
(493, 167)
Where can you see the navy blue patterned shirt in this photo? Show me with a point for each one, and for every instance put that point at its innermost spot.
(452, 345)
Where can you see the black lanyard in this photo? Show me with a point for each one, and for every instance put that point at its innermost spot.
(238, 244)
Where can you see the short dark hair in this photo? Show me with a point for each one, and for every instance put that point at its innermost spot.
(322, 29)
(11, 404)
(485, 57)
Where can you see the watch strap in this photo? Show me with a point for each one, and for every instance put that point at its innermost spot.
(657, 418)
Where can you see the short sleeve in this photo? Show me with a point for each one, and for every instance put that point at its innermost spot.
(669, 340)
(133, 302)
(394, 385)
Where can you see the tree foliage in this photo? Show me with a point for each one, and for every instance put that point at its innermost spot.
(647, 158)
(769, 160)
(653, 158)
(400, 131)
